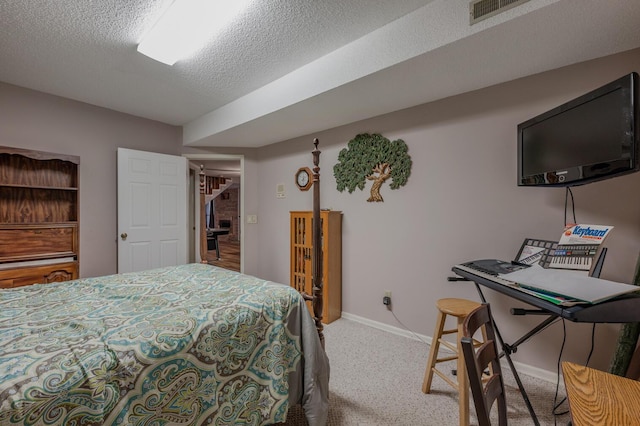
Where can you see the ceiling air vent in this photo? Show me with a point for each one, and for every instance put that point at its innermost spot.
(483, 9)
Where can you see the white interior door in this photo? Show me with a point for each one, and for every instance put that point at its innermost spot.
(152, 210)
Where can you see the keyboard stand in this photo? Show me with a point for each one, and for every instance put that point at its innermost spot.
(623, 309)
(512, 348)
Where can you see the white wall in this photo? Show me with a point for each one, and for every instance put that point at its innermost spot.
(460, 203)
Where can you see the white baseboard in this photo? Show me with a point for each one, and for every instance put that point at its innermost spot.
(529, 370)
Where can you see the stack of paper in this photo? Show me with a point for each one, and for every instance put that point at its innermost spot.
(569, 284)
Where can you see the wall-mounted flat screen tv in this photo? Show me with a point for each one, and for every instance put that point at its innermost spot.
(590, 138)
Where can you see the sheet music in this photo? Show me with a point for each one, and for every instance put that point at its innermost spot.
(531, 255)
(535, 250)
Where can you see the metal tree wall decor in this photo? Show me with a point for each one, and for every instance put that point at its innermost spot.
(372, 157)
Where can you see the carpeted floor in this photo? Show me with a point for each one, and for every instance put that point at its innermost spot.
(376, 380)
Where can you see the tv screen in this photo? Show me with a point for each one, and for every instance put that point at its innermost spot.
(590, 138)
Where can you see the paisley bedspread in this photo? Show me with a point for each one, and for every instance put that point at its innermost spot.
(185, 345)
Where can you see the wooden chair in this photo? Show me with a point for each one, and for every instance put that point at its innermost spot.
(486, 390)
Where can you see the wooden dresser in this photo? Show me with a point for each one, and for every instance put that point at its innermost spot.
(39, 220)
(301, 265)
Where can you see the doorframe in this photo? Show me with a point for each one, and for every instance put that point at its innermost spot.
(196, 205)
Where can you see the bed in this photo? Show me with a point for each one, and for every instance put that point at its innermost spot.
(190, 344)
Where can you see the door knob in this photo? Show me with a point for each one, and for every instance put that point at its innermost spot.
(124, 235)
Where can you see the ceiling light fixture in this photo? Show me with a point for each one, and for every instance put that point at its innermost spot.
(186, 26)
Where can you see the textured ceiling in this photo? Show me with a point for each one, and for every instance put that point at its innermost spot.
(287, 68)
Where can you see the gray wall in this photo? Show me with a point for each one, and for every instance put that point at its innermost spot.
(34, 120)
(461, 203)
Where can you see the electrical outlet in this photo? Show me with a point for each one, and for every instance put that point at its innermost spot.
(386, 300)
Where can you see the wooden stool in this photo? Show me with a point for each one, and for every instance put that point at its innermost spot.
(458, 308)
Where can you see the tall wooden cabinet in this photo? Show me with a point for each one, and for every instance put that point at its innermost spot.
(301, 265)
(39, 220)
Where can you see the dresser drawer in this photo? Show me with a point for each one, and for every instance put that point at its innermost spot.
(18, 277)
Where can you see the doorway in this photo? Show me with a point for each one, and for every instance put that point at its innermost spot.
(228, 201)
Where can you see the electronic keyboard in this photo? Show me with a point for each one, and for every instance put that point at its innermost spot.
(491, 268)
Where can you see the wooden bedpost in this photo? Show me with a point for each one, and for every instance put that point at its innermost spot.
(203, 219)
(317, 249)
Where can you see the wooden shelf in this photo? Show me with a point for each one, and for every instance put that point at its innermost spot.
(39, 216)
(46, 188)
(69, 223)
